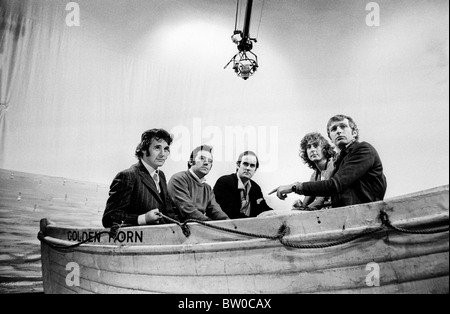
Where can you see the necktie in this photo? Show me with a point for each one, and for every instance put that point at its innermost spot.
(245, 201)
(156, 179)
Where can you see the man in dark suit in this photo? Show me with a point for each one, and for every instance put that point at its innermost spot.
(237, 194)
(139, 193)
(358, 176)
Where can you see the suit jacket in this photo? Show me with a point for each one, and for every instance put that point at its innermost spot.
(229, 198)
(358, 178)
(132, 193)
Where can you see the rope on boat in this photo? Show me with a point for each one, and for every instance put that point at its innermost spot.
(330, 244)
(282, 231)
(386, 222)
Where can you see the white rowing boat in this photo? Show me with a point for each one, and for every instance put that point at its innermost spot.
(400, 245)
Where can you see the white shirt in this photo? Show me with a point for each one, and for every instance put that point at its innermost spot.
(242, 185)
(153, 172)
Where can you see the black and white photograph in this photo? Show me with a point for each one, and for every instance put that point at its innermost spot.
(224, 152)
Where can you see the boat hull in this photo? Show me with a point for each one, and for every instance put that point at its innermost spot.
(162, 259)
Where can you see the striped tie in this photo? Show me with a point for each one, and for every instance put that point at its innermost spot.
(156, 179)
(245, 201)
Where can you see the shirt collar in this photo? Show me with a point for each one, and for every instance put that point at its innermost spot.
(202, 180)
(242, 185)
(340, 154)
(351, 142)
(346, 147)
(149, 168)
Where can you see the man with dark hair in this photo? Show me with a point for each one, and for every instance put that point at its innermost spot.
(238, 195)
(358, 172)
(192, 196)
(137, 195)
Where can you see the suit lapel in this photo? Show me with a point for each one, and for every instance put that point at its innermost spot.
(341, 156)
(163, 183)
(149, 182)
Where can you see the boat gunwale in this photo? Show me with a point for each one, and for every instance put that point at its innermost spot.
(238, 244)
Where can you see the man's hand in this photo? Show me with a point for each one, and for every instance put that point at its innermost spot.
(152, 217)
(298, 204)
(282, 191)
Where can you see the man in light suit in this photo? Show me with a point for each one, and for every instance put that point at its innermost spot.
(139, 193)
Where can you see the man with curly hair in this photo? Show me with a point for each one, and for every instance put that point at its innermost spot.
(318, 154)
(358, 175)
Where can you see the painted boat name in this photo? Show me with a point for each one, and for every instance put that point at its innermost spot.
(94, 236)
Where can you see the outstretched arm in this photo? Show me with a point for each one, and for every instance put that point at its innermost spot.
(283, 190)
